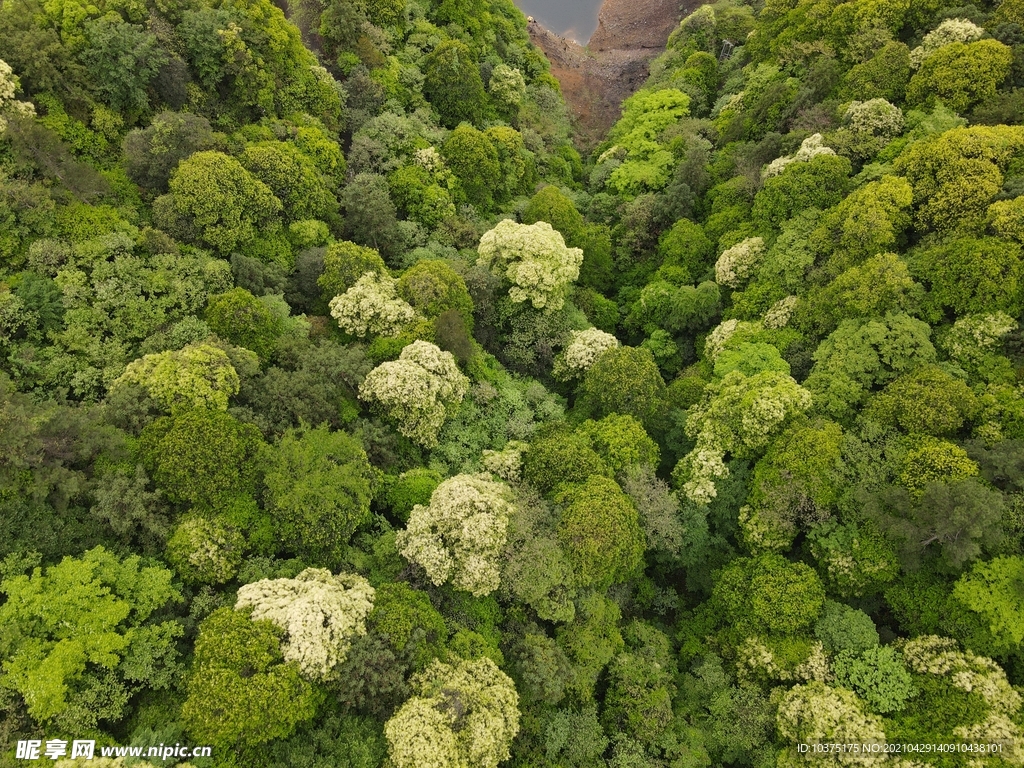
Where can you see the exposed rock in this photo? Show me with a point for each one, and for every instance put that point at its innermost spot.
(596, 79)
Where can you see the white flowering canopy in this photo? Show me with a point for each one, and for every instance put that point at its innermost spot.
(949, 31)
(779, 313)
(459, 537)
(417, 390)
(464, 715)
(372, 307)
(974, 336)
(735, 266)
(321, 613)
(534, 258)
(812, 147)
(584, 348)
(875, 116)
(9, 85)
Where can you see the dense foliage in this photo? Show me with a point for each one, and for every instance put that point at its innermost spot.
(348, 417)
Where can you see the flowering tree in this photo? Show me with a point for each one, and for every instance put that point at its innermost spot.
(460, 535)
(534, 259)
(586, 346)
(320, 612)
(738, 416)
(371, 306)
(464, 714)
(418, 390)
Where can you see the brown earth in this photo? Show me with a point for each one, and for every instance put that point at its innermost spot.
(597, 78)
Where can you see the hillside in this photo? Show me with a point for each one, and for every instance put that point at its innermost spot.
(598, 77)
(351, 416)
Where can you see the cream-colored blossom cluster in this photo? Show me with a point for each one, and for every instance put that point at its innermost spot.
(738, 416)
(534, 259)
(506, 463)
(418, 390)
(755, 662)
(372, 307)
(429, 159)
(765, 532)
(464, 715)
(876, 117)
(933, 655)
(736, 264)
(949, 31)
(460, 535)
(811, 147)
(815, 713)
(321, 613)
(974, 336)
(779, 313)
(507, 85)
(583, 349)
(199, 375)
(9, 85)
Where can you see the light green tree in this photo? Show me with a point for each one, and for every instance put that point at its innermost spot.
(459, 537)
(196, 376)
(71, 636)
(419, 390)
(205, 551)
(215, 202)
(241, 692)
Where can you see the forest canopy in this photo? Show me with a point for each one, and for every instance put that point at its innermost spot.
(351, 417)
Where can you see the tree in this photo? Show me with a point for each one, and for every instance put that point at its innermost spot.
(474, 160)
(452, 84)
(955, 174)
(201, 456)
(242, 319)
(556, 209)
(971, 275)
(862, 354)
(992, 590)
(215, 202)
(960, 74)
(432, 287)
(465, 713)
(582, 351)
(196, 376)
(880, 285)
(623, 380)
(370, 216)
(320, 614)
(622, 442)
(600, 531)
(820, 182)
(842, 628)
(927, 401)
(372, 307)
(205, 551)
(534, 259)
(319, 484)
(293, 178)
(878, 675)
(123, 60)
(508, 89)
(343, 264)
(460, 535)
(738, 415)
(686, 246)
(769, 594)
(154, 152)
(641, 686)
(953, 522)
(78, 641)
(419, 390)
(241, 692)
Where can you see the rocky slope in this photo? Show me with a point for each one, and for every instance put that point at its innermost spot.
(597, 78)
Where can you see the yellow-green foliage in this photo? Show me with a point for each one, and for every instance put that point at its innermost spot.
(197, 376)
